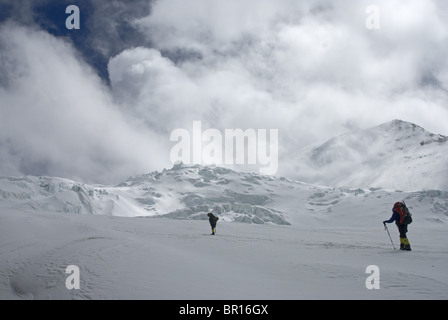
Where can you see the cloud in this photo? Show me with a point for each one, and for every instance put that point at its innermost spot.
(310, 69)
(106, 26)
(59, 119)
(294, 63)
(151, 87)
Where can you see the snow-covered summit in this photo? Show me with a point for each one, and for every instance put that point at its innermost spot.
(408, 133)
(393, 155)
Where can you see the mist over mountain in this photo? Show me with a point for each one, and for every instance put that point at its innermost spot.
(99, 103)
(394, 155)
(377, 165)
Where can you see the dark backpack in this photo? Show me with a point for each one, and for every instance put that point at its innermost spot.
(403, 211)
(212, 218)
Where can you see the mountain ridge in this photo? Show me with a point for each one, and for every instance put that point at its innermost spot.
(190, 192)
(396, 154)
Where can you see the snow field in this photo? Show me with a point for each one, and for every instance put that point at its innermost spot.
(148, 258)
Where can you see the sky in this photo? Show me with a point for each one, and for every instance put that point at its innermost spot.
(99, 103)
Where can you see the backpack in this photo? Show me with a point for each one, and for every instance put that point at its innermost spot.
(212, 217)
(403, 211)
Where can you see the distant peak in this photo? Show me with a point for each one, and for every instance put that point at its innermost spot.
(179, 165)
(398, 124)
(404, 130)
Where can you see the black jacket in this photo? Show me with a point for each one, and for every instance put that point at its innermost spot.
(212, 219)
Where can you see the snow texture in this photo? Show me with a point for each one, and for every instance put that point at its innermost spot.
(277, 238)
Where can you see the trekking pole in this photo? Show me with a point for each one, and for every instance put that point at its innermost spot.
(389, 236)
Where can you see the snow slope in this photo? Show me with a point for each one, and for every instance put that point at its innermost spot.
(137, 258)
(394, 155)
(277, 238)
(147, 239)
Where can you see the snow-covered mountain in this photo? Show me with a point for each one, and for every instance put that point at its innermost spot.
(394, 155)
(190, 192)
(277, 238)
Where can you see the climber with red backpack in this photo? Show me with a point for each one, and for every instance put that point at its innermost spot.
(402, 217)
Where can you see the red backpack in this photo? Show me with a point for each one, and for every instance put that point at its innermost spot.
(403, 211)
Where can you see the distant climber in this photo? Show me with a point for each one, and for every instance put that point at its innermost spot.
(212, 219)
(402, 217)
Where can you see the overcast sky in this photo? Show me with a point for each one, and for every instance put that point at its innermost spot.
(98, 104)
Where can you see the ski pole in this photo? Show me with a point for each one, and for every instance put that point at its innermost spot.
(385, 227)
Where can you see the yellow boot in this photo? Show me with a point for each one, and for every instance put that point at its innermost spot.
(406, 244)
(402, 243)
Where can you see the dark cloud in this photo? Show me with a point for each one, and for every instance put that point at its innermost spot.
(112, 29)
(106, 26)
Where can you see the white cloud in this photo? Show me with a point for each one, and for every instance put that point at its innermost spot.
(151, 87)
(294, 57)
(308, 68)
(57, 117)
